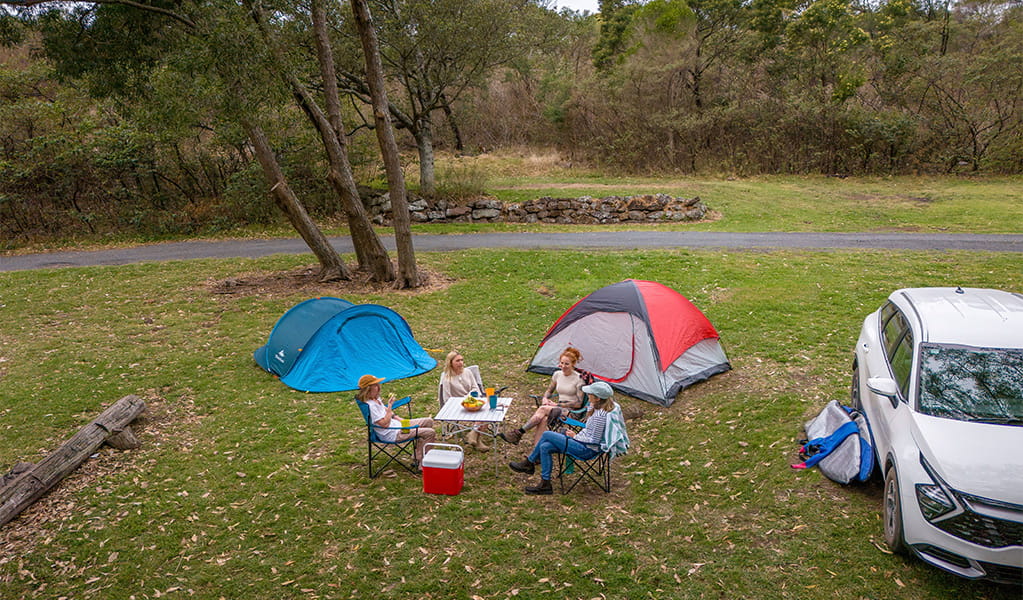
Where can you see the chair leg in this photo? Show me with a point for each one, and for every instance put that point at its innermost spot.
(399, 449)
(597, 470)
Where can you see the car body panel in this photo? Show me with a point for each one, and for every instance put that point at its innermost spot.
(972, 457)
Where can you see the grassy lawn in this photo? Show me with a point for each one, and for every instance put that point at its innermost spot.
(246, 489)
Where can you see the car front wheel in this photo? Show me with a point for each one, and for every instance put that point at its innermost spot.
(893, 513)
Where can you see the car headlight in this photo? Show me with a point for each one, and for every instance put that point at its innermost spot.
(935, 499)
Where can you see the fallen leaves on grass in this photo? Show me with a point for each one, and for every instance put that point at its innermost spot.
(306, 279)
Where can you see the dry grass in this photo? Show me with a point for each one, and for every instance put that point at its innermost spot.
(521, 162)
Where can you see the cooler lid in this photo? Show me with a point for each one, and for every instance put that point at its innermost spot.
(442, 459)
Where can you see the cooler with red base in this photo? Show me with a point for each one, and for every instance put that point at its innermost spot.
(443, 472)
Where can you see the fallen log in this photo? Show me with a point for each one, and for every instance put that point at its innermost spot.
(33, 481)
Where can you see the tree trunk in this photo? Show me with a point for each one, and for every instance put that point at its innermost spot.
(408, 274)
(332, 268)
(368, 248)
(424, 141)
(452, 123)
(33, 481)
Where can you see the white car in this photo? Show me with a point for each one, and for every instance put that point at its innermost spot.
(938, 374)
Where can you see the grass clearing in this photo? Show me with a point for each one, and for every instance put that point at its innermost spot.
(775, 203)
(246, 489)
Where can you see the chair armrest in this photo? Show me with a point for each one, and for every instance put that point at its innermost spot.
(574, 423)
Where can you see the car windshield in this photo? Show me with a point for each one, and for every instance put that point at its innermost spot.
(972, 384)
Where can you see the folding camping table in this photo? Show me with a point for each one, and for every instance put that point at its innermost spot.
(454, 413)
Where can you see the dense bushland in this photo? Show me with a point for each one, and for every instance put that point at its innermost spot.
(831, 86)
(103, 133)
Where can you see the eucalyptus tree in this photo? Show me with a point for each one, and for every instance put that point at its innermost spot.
(328, 123)
(435, 50)
(408, 275)
(615, 25)
(120, 45)
(968, 90)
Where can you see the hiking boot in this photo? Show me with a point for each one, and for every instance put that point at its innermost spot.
(544, 489)
(512, 437)
(523, 466)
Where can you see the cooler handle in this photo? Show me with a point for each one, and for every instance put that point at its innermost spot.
(438, 445)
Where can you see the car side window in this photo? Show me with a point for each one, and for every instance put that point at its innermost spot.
(893, 327)
(902, 363)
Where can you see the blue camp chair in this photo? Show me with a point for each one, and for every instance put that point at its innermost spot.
(598, 468)
(394, 451)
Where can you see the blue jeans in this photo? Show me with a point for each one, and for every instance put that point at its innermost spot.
(555, 443)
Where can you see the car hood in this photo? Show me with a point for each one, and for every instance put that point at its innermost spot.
(976, 458)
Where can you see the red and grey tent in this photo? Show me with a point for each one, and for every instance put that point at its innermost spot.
(643, 338)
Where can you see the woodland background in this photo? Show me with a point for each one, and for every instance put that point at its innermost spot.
(117, 118)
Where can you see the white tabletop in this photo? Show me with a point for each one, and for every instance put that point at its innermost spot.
(454, 411)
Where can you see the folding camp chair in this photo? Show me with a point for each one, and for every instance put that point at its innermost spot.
(453, 428)
(597, 469)
(394, 451)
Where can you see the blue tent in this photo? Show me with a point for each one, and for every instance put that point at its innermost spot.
(326, 344)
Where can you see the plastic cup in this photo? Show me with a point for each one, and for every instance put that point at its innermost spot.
(493, 401)
(474, 394)
(405, 423)
(490, 391)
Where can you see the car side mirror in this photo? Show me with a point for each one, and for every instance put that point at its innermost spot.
(885, 386)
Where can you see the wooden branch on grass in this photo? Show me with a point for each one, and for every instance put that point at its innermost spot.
(29, 482)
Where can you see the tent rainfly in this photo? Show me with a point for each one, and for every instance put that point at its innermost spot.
(645, 339)
(326, 344)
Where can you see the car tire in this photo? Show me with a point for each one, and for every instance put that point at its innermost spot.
(891, 513)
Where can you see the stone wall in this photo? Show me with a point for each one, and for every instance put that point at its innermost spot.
(584, 209)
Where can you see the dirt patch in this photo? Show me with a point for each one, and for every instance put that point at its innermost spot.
(305, 279)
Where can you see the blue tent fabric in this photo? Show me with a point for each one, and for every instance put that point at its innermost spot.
(294, 329)
(326, 344)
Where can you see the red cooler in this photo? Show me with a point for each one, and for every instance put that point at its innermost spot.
(442, 469)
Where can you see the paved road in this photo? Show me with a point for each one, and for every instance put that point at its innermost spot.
(587, 240)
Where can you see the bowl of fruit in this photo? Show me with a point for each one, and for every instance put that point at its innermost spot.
(472, 404)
